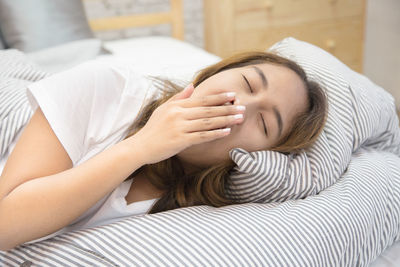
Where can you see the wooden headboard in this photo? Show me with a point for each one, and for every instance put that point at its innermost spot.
(173, 17)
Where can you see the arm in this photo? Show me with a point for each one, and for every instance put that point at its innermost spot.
(50, 194)
(41, 193)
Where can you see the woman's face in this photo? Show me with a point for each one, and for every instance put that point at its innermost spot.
(276, 95)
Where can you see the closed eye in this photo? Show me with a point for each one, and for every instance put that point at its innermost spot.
(265, 127)
(262, 118)
(248, 84)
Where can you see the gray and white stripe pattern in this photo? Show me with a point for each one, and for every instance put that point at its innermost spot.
(342, 208)
(348, 224)
(16, 72)
(360, 114)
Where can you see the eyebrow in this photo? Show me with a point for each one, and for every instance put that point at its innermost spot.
(275, 109)
(262, 76)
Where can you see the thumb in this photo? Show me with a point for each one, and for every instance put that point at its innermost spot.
(185, 93)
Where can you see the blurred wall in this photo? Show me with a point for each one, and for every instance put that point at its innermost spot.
(193, 18)
(382, 45)
(382, 34)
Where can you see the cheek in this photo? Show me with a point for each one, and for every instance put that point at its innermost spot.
(244, 137)
(249, 137)
(240, 137)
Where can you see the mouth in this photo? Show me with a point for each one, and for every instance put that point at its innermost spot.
(228, 104)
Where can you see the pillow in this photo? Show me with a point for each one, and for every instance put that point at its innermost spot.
(176, 60)
(16, 72)
(32, 25)
(64, 56)
(360, 114)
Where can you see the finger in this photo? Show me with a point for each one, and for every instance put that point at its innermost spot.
(185, 93)
(208, 100)
(212, 111)
(207, 136)
(205, 124)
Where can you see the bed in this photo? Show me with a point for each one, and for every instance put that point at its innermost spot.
(350, 217)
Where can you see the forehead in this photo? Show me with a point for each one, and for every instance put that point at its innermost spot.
(278, 73)
(280, 78)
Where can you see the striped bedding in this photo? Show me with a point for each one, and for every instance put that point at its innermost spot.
(348, 224)
(360, 114)
(335, 205)
(15, 73)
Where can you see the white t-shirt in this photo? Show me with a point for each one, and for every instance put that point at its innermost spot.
(90, 108)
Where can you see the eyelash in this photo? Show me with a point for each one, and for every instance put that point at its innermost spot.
(251, 90)
(249, 86)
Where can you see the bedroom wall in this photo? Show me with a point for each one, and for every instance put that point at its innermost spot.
(193, 17)
(382, 37)
(382, 44)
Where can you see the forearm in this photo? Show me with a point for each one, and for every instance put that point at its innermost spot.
(44, 205)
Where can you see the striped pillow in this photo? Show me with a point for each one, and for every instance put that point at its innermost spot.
(16, 72)
(360, 114)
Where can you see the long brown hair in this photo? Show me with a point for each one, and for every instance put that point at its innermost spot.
(207, 186)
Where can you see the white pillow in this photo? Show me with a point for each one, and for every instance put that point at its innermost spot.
(360, 114)
(162, 56)
(33, 25)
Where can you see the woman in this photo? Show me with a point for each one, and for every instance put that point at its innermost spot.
(176, 154)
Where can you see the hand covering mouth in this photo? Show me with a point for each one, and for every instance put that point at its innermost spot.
(227, 104)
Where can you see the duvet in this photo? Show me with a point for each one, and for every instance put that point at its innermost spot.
(350, 217)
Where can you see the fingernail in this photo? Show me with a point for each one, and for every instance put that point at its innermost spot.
(230, 94)
(225, 130)
(240, 107)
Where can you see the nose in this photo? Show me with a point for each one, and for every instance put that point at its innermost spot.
(252, 104)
